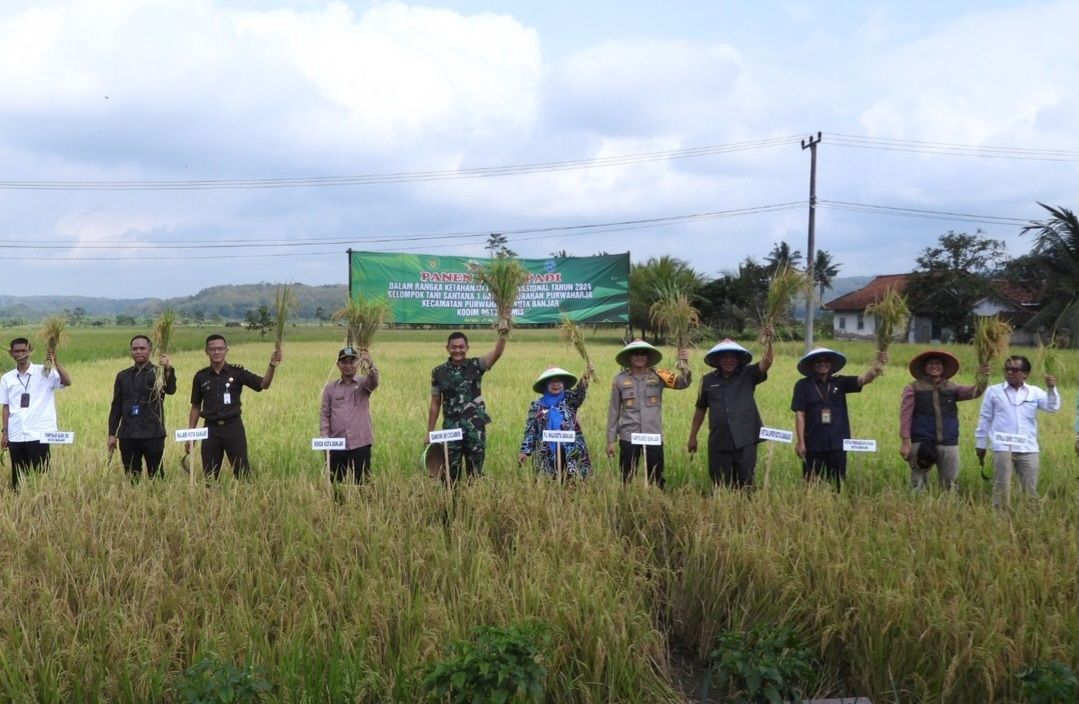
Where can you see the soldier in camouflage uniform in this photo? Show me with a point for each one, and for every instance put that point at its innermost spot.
(455, 392)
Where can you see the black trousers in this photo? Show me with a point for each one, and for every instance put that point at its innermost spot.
(355, 462)
(27, 457)
(629, 455)
(134, 450)
(732, 468)
(831, 464)
(228, 440)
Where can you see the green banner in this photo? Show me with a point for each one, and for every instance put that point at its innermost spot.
(439, 290)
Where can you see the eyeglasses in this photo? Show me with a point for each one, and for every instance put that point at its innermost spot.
(1012, 369)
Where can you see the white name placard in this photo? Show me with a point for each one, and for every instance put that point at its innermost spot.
(646, 439)
(559, 436)
(328, 444)
(445, 435)
(859, 445)
(58, 438)
(776, 435)
(186, 434)
(1009, 439)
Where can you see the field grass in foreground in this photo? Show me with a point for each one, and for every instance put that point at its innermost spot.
(109, 591)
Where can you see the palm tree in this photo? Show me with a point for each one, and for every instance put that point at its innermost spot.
(781, 254)
(824, 270)
(1056, 249)
(647, 278)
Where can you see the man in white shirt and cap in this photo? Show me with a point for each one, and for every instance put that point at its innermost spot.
(734, 422)
(1008, 425)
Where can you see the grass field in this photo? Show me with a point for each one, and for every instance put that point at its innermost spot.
(109, 591)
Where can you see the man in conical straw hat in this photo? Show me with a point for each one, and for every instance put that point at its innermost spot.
(636, 406)
(821, 421)
(734, 422)
(561, 396)
(929, 417)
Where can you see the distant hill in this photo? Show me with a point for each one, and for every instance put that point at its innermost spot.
(217, 303)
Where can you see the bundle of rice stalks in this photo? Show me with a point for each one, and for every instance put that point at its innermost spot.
(503, 277)
(162, 338)
(892, 314)
(53, 333)
(1049, 359)
(572, 334)
(673, 313)
(284, 304)
(362, 320)
(991, 338)
(785, 284)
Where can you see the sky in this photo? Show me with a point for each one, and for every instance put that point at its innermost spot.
(143, 144)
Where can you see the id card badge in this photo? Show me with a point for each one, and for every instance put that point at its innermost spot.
(826, 416)
(24, 400)
(135, 409)
(227, 399)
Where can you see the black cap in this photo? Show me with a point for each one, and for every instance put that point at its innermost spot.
(347, 353)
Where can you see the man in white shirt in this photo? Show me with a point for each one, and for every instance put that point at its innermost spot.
(1008, 424)
(29, 411)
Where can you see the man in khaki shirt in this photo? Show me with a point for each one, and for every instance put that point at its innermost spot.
(637, 407)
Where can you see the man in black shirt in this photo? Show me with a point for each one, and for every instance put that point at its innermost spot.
(137, 417)
(215, 396)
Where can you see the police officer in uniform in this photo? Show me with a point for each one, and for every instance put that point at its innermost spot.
(215, 396)
(455, 391)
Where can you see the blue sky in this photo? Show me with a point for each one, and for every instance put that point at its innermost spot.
(219, 90)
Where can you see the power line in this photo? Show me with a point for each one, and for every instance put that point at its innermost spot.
(921, 213)
(400, 177)
(952, 149)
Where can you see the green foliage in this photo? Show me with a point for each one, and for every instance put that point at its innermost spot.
(213, 680)
(1053, 267)
(496, 665)
(1049, 683)
(259, 319)
(766, 665)
(951, 277)
(647, 279)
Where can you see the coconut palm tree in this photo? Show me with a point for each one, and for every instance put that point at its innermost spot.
(824, 270)
(1056, 250)
(782, 254)
(647, 278)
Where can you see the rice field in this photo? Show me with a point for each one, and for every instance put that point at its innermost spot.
(109, 591)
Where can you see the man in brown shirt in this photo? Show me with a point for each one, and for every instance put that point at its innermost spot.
(346, 413)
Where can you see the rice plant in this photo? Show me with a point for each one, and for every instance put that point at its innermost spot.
(53, 333)
(572, 334)
(673, 313)
(162, 339)
(892, 315)
(503, 277)
(362, 318)
(284, 305)
(785, 284)
(991, 339)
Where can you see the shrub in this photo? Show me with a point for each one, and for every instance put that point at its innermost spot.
(496, 665)
(1049, 683)
(216, 681)
(767, 665)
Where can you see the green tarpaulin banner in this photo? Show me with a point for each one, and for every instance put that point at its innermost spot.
(439, 290)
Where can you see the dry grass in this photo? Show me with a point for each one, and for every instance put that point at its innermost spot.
(53, 333)
(503, 277)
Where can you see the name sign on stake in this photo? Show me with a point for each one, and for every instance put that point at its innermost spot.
(328, 443)
(58, 438)
(776, 435)
(859, 445)
(559, 436)
(1009, 439)
(185, 434)
(646, 439)
(445, 435)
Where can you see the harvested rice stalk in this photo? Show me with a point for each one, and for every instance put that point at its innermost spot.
(284, 304)
(892, 314)
(54, 333)
(991, 338)
(1049, 357)
(362, 320)
(503, 277)
(572, 333)
(162, 338)
(672, 312)
(785, 284)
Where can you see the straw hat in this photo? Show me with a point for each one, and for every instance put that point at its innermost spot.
(728, 345)
(950, 361)
(805, 364)
(654, 355)
(568, 379)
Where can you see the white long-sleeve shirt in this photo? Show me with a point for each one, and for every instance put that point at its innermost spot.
(1013, 412)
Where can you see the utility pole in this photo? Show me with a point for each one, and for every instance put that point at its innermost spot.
(811, 254)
